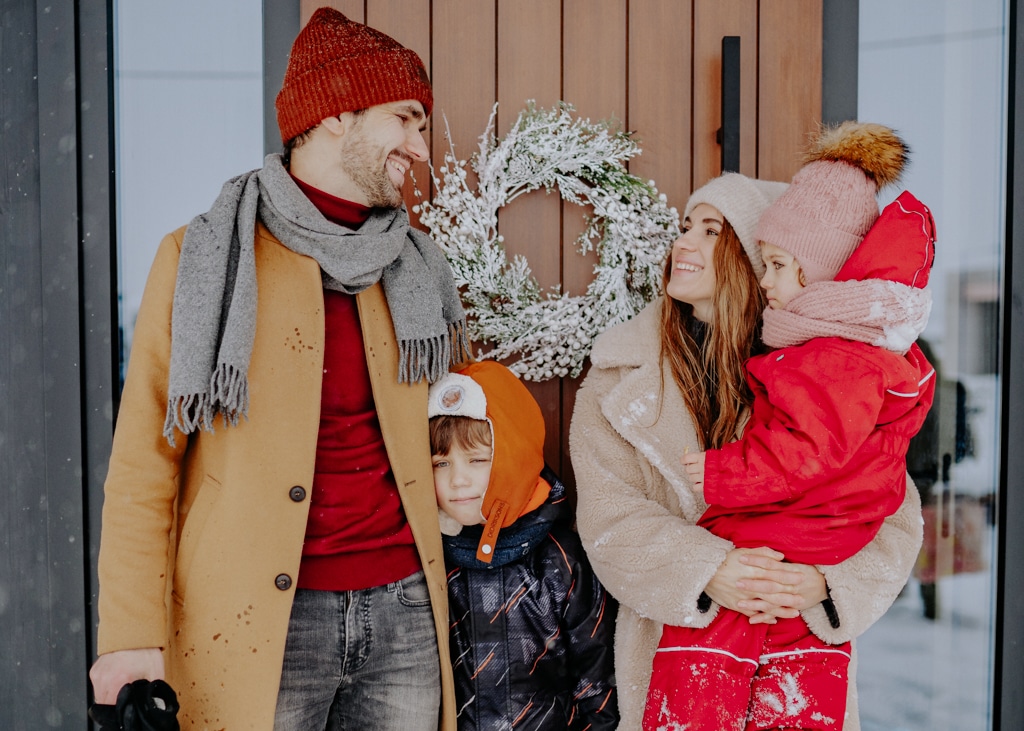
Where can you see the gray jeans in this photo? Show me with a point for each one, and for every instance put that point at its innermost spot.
(362, 659)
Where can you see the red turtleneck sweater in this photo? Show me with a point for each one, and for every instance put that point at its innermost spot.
(357, 535)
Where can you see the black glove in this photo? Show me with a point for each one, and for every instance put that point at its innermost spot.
(141, 706)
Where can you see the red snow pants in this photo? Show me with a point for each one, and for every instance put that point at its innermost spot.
(734, 676)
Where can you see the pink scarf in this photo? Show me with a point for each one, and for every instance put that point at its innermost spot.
(874, 311)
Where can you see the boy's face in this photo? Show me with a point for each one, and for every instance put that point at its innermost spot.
(781, 280)
(460, 481)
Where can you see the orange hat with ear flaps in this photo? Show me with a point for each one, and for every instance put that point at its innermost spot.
(517, 435)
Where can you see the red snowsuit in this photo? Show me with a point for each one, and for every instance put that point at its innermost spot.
(820, 464)
(823, 460)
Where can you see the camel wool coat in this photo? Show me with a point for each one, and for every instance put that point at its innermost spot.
(637, 516)
(201, 543)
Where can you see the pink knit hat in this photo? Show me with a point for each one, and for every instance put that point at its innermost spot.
(831, 202)
(337, 65)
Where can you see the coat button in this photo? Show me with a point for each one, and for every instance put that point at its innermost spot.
(283, 582)
(297, 493)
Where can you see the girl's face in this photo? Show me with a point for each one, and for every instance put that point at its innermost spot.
(781, 281)
(693, 278)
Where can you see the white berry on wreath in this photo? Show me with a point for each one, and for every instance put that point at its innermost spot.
(631, 229)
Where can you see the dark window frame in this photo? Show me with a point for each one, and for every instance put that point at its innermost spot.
(1008, 672)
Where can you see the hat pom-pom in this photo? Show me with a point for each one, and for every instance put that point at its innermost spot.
(874, 148)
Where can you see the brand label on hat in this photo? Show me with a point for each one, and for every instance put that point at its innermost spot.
(451, 398)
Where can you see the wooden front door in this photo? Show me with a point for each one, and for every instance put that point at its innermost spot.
(655, 65)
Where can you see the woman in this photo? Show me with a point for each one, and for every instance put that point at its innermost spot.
(670, 381)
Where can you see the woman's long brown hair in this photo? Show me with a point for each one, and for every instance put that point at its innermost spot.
(712, 378)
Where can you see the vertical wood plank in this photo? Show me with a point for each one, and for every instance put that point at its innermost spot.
(594, 81)
(789, 84)
(408, 22)
(594, 57)
(352, 9)
(529, 56)
(463, 61)
(529, 67)
(594, 37)
(660, 93)
(713, 19)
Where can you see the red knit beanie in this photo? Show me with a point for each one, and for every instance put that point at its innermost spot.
(337, 65)
(831, 202)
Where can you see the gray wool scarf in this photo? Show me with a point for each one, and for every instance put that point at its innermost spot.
(213, 319)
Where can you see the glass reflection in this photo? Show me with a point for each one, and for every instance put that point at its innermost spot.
(189, 115)
(936, 70)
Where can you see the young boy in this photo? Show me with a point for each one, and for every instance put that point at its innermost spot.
(531, 626)
(822, 460)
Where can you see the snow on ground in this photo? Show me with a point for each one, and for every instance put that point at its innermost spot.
(918, 674)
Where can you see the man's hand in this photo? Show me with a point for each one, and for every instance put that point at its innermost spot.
(112, 671)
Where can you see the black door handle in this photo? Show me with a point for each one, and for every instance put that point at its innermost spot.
(729, 133)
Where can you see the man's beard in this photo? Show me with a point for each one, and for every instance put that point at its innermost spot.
(362, 164)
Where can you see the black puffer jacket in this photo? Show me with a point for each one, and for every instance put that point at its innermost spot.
(531, 632)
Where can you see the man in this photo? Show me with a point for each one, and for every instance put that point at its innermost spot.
(270, 539)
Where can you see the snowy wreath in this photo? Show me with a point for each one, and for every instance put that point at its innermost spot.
(631, 227)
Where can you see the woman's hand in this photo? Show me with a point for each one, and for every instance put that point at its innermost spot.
(756, 582)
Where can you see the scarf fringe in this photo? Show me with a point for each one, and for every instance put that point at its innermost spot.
(458, 333)
(228, 396)
(431, 358)
(229, 393)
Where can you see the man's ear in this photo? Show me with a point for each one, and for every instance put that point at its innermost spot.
(335, 125)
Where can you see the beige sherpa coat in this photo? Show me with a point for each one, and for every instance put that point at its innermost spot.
(637, 518)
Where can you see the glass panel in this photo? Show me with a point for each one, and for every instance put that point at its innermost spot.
(936, 71)
(189, 107)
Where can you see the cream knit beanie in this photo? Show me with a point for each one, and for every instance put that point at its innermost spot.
(741, 200)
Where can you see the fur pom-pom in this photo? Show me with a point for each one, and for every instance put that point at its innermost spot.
(874, 148)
